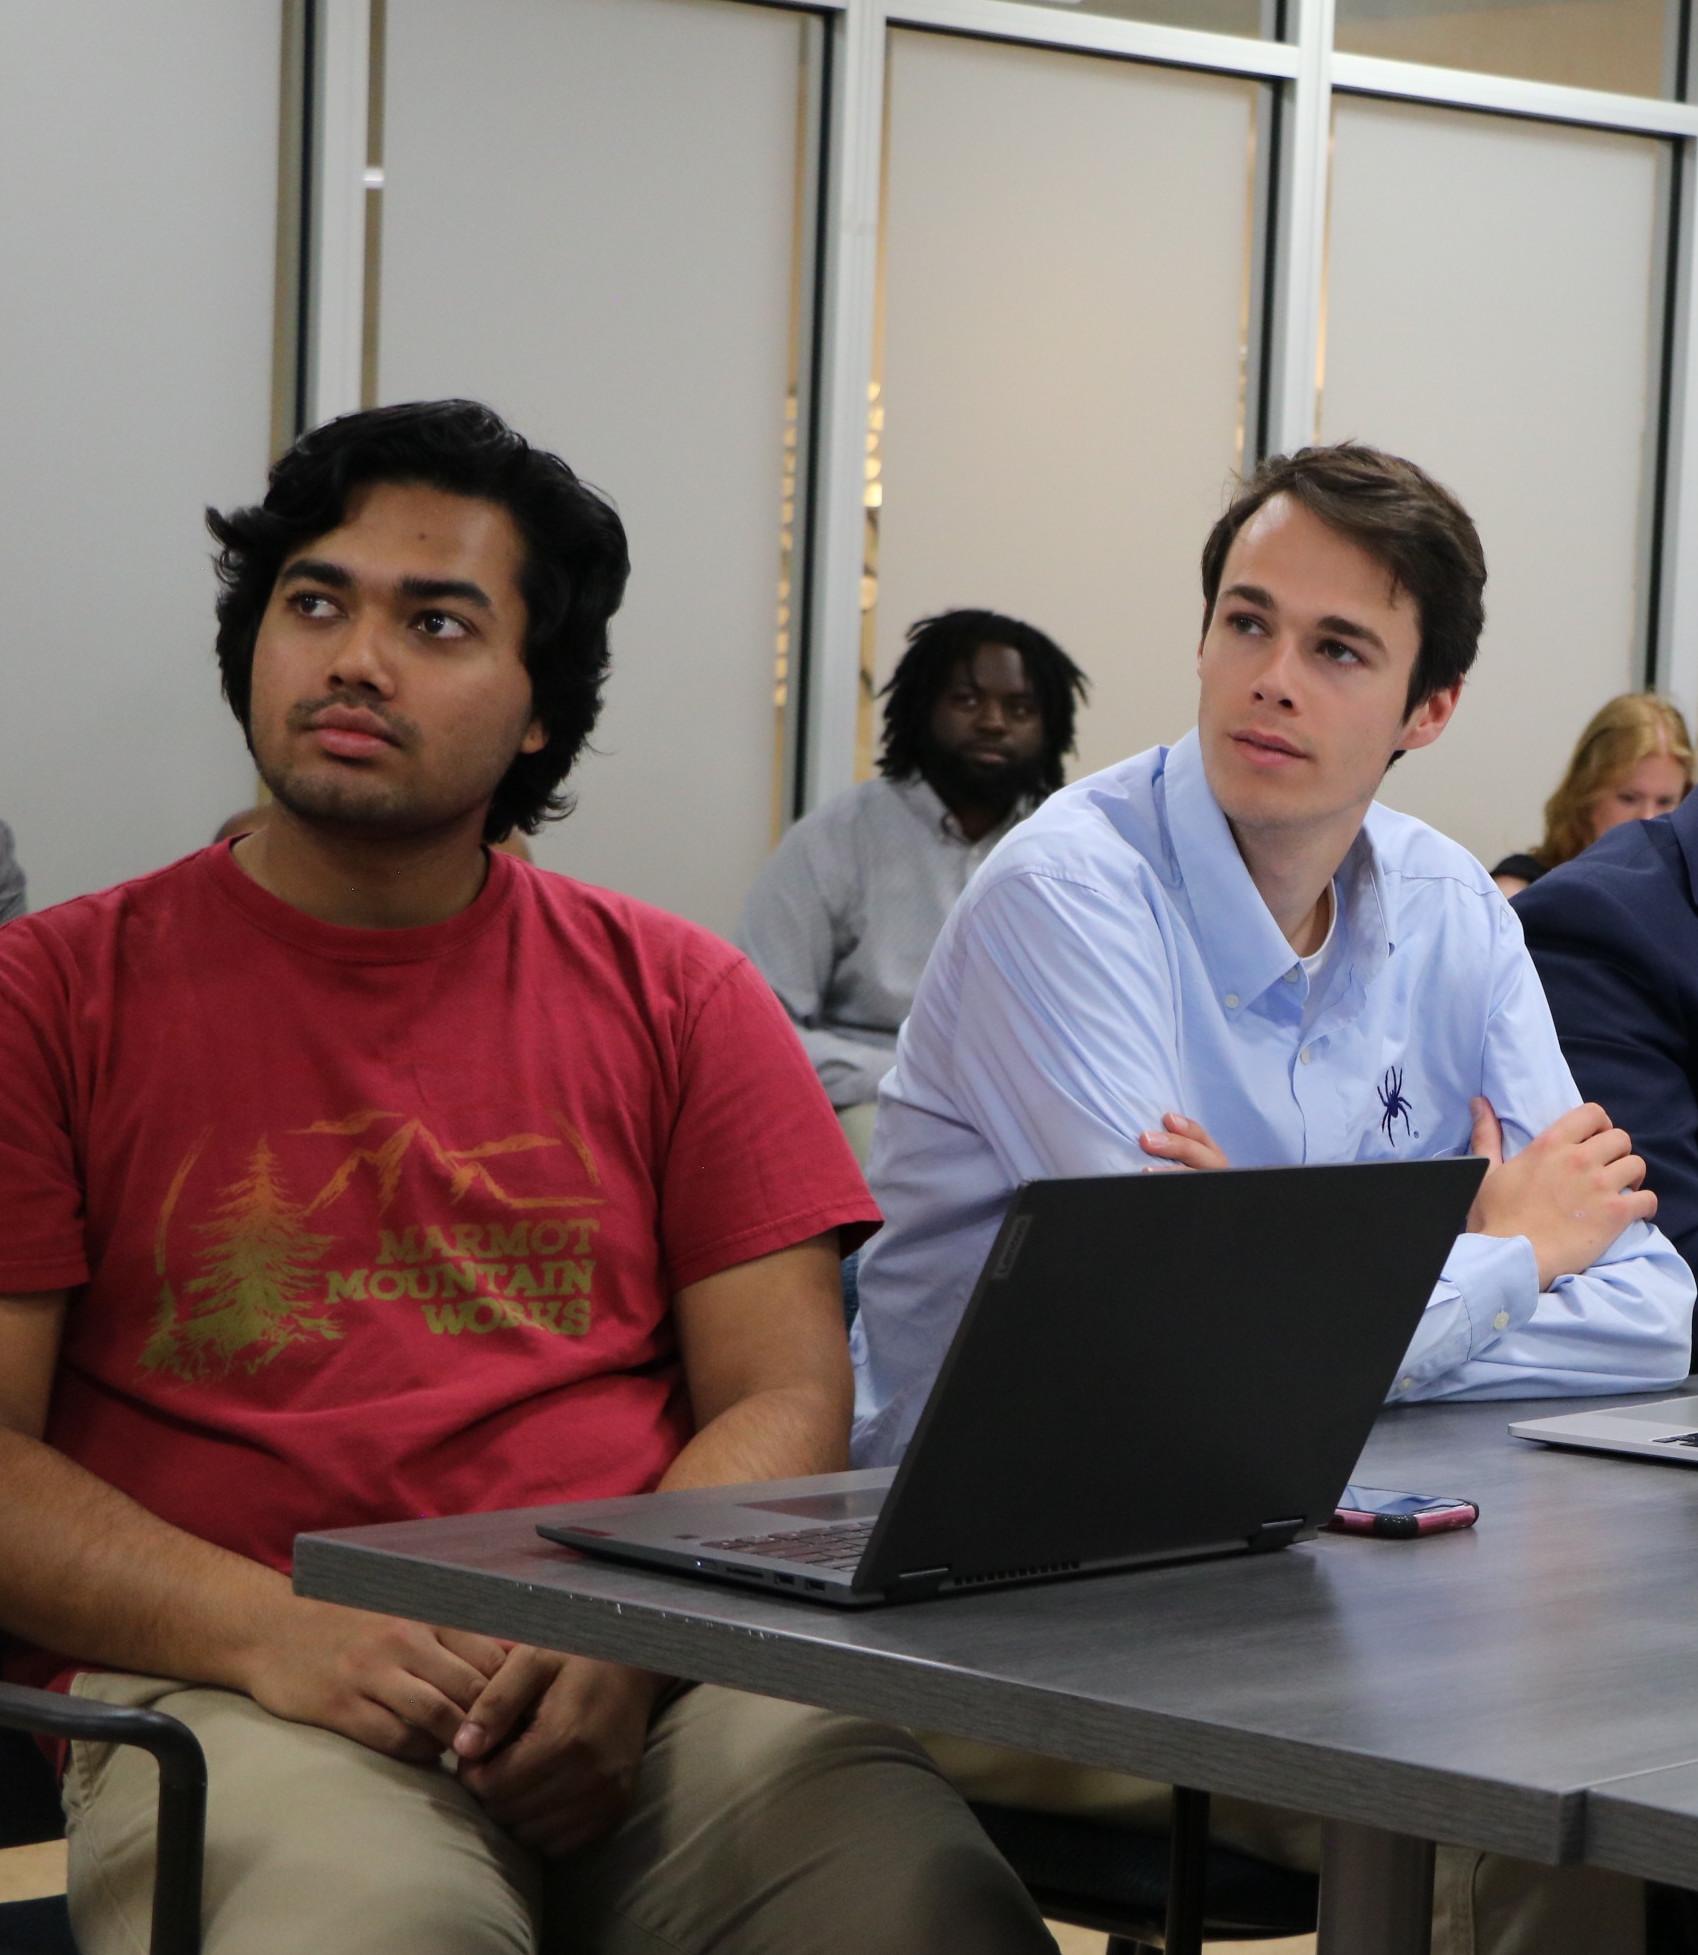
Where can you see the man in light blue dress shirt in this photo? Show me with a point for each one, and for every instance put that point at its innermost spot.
(1224, 952)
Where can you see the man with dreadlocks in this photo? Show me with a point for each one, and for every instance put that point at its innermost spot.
(977, 717)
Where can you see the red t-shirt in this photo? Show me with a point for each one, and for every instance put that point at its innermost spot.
(363, 1225)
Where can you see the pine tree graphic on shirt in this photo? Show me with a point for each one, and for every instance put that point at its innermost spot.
(255, 1283)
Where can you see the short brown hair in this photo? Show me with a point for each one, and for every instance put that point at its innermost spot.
(1406, 522)
(1626, 730)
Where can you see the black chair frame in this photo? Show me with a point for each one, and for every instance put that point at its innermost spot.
(181, 1839)
(1146, 1893)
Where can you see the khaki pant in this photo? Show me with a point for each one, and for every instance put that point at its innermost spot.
(1483, 1903)
(758, 1828)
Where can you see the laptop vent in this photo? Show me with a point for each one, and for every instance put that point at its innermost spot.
(1019, 1574)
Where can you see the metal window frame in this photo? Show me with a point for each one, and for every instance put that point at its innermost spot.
(335, 298)
(1306, 70)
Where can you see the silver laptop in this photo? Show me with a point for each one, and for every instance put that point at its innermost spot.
(1151, 1367)
(1667, 1429)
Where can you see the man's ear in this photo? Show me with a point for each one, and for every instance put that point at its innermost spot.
(1430, 718)
(536, 738)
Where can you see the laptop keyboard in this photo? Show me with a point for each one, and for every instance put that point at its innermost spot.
(838, 1545)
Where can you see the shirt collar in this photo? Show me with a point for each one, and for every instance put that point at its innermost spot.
(1245, 950)
(1365, 905)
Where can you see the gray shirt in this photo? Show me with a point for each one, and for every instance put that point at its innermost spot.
(11, 879)
(843, 916)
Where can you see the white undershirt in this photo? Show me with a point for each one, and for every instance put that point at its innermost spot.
(1317, 958)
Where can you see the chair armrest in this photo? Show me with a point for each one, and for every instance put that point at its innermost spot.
(181, 1842)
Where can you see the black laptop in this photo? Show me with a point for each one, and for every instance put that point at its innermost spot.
(1151, 1367)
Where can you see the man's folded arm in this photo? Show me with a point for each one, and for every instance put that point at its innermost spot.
(1623, 1323)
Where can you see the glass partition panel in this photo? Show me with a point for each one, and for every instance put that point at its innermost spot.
(1065, 363)
(138, 149)
(1629, 46)
(590, 219)
(1250, 17)
(1491, 313)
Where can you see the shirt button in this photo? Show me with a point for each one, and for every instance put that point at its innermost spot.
(1306, 1055)
(1406, 1384)
(1231, 1001)
(1501, 1320)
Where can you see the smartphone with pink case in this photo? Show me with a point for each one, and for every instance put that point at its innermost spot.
(1399, 1516)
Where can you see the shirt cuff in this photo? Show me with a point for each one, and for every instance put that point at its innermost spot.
(1497, 1277)
(1489, 1288)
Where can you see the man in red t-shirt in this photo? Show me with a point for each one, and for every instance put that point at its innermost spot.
(354, 1172)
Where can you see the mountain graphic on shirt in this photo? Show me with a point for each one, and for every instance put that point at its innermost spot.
(258, 1291)
(464, 1168)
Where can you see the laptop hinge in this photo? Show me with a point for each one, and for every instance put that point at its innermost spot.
(1276, 1534)
(922, 1581)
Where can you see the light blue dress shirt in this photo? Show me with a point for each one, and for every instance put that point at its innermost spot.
(1112, 961)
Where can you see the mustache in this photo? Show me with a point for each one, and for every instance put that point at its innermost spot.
(402, 730)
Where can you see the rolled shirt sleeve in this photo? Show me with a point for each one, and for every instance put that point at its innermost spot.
(844, 914)
(1622, 1325)
(792, 928)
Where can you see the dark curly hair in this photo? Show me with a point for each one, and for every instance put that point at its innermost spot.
(572, 579)
(1409, 524)
(936, 646)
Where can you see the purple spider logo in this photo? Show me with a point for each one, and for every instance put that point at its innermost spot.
(1394, 1106)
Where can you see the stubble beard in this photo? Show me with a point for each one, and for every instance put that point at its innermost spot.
(361, 807)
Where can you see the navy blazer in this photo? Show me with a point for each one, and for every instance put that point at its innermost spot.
(1614, 935)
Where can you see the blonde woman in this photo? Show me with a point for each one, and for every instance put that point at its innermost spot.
(1633, 761)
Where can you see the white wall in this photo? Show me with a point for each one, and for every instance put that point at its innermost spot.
(1490, 315)
(587, 222)
(138, 184)
(1066, 264)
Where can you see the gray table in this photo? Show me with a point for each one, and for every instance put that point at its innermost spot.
(1466, 1688)
(1647, 1825)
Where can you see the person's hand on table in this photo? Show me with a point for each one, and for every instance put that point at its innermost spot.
(552, 1745)
(401, 1688)
(1570, 1191)
(1183, 1143)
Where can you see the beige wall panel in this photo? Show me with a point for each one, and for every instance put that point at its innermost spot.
(1066, 268)
(1490, 314)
